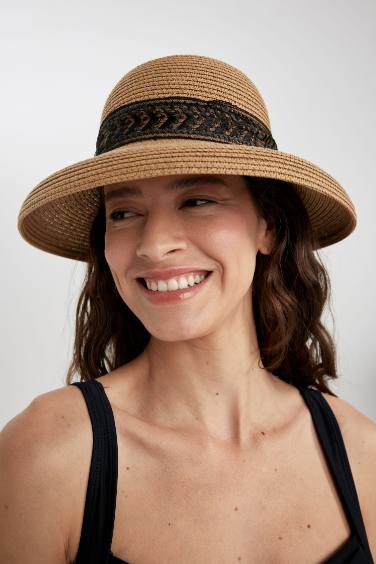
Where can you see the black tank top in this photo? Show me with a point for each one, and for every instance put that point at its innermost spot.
(99, 512)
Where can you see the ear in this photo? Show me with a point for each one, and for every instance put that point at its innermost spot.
(266, 237)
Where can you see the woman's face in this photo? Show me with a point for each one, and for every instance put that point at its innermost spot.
(208, 222)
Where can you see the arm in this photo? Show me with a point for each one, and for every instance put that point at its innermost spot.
(33, 513)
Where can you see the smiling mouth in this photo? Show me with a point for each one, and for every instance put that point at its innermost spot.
(143, 282)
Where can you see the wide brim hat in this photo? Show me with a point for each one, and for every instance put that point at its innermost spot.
(179, 114)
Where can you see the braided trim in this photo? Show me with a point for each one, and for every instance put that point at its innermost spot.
(180, 117)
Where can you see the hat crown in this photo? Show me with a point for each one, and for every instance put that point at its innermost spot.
(180, 114)
(188, 76)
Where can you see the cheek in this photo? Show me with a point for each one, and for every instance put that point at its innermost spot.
(237, 248)
(109, 252)
(115, 252)
(235, 235)
(117, 261)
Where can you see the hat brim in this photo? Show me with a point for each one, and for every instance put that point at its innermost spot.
(57, 214)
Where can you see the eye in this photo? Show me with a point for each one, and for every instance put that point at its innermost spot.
(111, 216)
(198, 200)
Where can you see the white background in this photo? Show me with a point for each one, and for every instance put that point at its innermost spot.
(314, 64)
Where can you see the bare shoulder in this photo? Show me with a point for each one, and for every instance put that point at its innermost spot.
(359, 435)
(358, 428)
(41, 450)
(49, 426)
(45, 425)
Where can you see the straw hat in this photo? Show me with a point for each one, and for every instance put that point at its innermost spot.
(179, 114)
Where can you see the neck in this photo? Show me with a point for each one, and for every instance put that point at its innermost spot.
(215, 387)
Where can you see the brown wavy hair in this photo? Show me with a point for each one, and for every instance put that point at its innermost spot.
(289, 291)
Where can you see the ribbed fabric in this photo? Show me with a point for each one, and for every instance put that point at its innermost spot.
(99, 514)
(356, 550)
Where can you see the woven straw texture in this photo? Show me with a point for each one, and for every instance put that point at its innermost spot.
(57, 214)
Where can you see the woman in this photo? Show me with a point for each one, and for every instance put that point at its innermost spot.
(202, 428)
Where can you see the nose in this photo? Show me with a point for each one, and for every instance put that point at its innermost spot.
(162, 233)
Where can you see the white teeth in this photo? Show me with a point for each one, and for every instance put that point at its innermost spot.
(175, 283)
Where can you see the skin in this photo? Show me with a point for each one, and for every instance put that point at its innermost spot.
(202, 365)
(274, 501)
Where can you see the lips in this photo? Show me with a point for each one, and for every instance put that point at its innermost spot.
(171, 273)
(143, 281)
(175, 296)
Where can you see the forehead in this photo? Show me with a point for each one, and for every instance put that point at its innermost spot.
(173, 183)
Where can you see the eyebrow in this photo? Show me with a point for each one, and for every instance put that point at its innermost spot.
(174, 186)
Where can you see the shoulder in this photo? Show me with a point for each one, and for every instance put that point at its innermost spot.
(48, 425)
(359, 435)
(43, 449)
(49, 428)
(357, 427)
(45, 425)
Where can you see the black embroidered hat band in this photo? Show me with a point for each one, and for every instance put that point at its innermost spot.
(179, 114)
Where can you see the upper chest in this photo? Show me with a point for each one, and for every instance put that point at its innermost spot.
(181, 501)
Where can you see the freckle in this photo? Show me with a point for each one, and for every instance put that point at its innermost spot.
(239, 558)
(236, 509)
(127, 467)
(217, 393)
(308, 526)
(275, 469)
(262, 433)
(280, 538)
(169, 524)
(6, 505)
